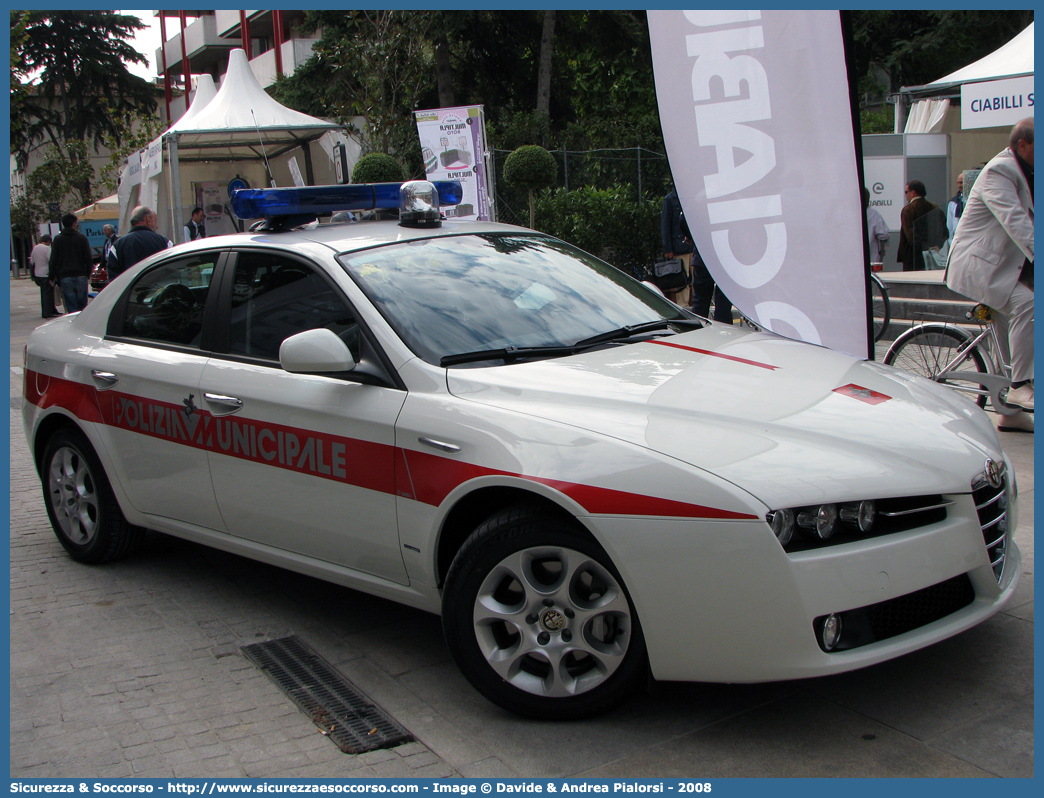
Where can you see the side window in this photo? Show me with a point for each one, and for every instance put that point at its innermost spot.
(166, 303)
(274, 297)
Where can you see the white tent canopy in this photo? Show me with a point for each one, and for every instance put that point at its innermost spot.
(105, 208)
(237, 131)
(1012, 60)
(205, 91)
(932, 101)
(242, 120)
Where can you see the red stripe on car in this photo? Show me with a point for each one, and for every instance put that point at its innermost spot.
(716, 354)
(420, 476)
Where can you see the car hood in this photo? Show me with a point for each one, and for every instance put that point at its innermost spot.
(788, 422)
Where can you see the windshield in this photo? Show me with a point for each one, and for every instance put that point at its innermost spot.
(445, 296)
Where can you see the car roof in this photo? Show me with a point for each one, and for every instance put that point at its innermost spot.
(352, 236)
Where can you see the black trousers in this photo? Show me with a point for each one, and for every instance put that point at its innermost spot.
(47, 307)
(704, 290)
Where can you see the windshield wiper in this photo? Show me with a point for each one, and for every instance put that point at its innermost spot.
(511, 354)
(630, 330)
(508, 354)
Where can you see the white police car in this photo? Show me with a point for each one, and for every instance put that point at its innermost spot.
(587, 482)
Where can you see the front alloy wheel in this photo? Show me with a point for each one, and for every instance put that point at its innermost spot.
(539, 620)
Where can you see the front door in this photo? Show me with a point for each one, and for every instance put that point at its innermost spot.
(303, 463)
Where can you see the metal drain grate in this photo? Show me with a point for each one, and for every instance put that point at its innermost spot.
(333, 703)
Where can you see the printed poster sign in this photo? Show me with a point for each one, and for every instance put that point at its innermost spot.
(213, 197)
(453, 143)
(996, 103)
(132, 174)
(756, 117)
(885, 179)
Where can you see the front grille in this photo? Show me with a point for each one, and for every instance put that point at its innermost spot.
(991, 503)
(905, 613)
(876, 622)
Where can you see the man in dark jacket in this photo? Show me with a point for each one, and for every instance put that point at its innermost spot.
(71, 263)
(917, 234)
(139, 243)
(677, 243)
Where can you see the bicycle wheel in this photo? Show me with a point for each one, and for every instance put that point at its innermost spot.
(928, 349)
(881, 307)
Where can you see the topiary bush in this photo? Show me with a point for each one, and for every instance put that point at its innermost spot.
(532, 168)
(377, 168)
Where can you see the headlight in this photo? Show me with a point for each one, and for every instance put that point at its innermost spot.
(850, 521)
(782, 523)
(860, 515)
(821, 520)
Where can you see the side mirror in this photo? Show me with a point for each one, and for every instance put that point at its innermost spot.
(315, 352)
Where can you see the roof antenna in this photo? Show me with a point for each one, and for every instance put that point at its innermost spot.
(268, 167)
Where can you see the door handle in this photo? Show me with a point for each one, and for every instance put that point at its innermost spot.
(442, 446)
(105, 379)
(229, 404)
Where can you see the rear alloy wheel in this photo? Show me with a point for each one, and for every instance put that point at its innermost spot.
(80, 503)
(539, 620)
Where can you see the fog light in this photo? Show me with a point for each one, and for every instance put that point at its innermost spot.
(861, 515)
(782, 523)
(823, 521)
(831, 632)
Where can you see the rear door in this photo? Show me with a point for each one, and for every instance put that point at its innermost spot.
(303, 463)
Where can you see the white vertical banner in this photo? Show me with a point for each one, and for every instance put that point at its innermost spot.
(756, 117)
(453, 143)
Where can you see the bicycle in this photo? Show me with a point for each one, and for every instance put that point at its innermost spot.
(881, 307)
(951, 355)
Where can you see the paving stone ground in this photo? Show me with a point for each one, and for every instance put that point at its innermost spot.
(134, 669)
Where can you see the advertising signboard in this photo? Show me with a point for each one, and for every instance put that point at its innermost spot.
(453, 142)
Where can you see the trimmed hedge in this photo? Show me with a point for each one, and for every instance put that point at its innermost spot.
(608, 223)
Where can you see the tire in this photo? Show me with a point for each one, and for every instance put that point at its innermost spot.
(881, 307)
(80, 503)
(539, 621)
(927, 349)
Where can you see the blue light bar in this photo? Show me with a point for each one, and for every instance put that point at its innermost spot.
(256, 203)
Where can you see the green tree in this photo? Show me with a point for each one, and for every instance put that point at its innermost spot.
(893, 49)
(19, 91)
(139, 130)
(374, 64)
(81, 90)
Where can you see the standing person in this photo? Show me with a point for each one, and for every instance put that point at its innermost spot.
(110, 241)
(955, 207)
(70, 263)
(194, 229)
(139, 243)
(910, 244)
(991, 257)
(40, 258)
(876, 230)
(677, 242)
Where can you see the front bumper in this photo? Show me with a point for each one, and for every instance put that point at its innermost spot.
(722, 602)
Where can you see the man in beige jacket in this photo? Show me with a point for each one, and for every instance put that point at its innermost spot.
(991, 256)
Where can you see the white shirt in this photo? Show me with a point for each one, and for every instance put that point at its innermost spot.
(39, 257)
(877, 233)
